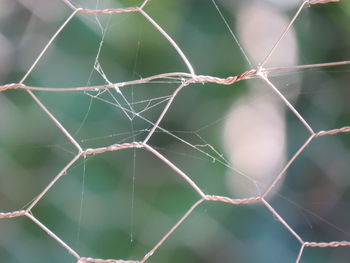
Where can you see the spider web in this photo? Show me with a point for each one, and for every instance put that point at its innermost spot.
(142, 108)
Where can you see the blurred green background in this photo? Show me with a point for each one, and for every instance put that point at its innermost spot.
(120, 204)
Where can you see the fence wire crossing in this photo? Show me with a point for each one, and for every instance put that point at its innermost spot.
(187, 78)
